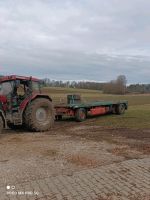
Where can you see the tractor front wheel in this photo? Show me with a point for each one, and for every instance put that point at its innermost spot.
(39, 115)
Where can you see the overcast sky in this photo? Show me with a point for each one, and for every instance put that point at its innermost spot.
(76, 39)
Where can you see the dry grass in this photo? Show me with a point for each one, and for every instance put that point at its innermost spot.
(136, 117)
(16, 139)
(119, 151)
(50, 153)
(58, 94)
(125, 152)
(144, 148)
(81, 160)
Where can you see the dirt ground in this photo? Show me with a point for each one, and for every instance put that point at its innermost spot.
(68, 147)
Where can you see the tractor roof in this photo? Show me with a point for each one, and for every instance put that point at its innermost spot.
(15, 77)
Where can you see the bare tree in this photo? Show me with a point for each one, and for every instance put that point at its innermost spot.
(117, 86)
(121, 84)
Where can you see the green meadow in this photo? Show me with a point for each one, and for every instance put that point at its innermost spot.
(136, 117)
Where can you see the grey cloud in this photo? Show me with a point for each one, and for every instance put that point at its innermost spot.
(94, 40)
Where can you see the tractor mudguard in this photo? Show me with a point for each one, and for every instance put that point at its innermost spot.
(33, 97)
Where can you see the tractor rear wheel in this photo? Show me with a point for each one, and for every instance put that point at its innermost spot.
(1, 124)
(39, 115)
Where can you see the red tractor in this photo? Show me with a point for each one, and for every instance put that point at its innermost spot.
(22, 103)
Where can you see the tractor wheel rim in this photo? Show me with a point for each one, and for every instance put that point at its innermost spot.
(41, 114)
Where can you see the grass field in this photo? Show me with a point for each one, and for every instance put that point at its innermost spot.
(137, 116)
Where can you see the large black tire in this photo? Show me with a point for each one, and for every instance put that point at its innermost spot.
(1, 124)
(39, 115)
(120, 109)
(80, 115)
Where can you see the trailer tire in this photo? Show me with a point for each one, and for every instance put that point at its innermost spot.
(120, 109)
(1, 124)
(113, 110)
(39, 115)
(80, 115)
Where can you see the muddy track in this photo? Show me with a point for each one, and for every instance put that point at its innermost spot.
(68, 147)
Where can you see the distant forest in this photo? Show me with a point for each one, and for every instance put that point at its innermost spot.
(118, 86)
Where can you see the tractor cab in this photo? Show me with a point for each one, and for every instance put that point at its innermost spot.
(22, 103)
(14, 90)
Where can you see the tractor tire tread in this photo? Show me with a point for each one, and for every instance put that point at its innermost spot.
(30, 121)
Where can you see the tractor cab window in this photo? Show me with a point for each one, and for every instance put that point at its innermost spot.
(35, 87)
(6, 88)
(22, 88)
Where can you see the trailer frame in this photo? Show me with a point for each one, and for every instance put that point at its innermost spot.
(80, 111)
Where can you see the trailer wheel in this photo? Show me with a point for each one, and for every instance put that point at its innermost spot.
(1, 124)
(80, 115)
(120, 109)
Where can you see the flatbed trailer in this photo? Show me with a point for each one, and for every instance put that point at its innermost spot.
(80, 111)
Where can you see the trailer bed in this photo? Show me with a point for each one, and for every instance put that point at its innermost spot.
(82, 110)
(90, 104)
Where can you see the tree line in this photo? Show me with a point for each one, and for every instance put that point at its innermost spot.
(73, 84)
(117, 86)
(139, 88)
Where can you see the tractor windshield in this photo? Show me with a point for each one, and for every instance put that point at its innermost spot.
(6, 88)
